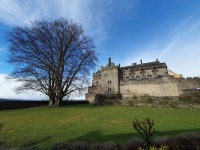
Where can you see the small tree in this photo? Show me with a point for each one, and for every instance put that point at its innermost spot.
(146, 129)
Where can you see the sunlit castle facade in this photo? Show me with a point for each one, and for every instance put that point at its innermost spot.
(152, 78)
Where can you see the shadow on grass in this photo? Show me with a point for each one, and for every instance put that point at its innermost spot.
(1, 143)
(99, 137)
(35, 142)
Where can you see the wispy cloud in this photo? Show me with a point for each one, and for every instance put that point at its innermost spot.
(8, 91)
(180, 50)
(95, 16)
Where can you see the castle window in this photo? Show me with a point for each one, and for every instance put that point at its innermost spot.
(109, 89)
(109, 81)
(137, 77)
(149, 77)
(97, 83)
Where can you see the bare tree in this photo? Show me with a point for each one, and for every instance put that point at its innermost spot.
(146, 129)
(52, 57)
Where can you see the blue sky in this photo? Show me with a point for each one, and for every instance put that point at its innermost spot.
(126, 31)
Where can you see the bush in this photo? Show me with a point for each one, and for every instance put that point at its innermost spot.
(60, 146)
(163, 140)
(133, 144)
(100, 99)
(107, 99)
(110, 145)
(192, 98)
(146, 129)
(96, 146)
(184, 141)
(155, 148)
(27, 148)
(79, 146)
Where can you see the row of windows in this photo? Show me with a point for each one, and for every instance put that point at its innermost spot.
(132, 71)
(97, 82)
(138, 77)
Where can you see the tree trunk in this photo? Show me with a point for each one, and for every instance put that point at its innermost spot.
(58, 99)
(57, 103)
(51, 100)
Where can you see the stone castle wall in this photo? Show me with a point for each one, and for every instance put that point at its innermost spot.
(92, 91)
(188, 84)
(157, 88)
(150, 79)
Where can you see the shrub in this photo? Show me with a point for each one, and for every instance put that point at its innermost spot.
(96, 146)
(189, 98)
(26, 148)
(184, 141)
(30, 148)
(133, 144)
(79, 146)
(163, 140)
(100, 99)
(155, 148)
(145, 129)
(107, 99)
(110, 145)
(60, 146)
(130, 102)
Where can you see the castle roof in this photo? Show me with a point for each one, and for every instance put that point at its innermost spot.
(150, 65)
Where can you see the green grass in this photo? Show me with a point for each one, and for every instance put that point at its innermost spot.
(44, 126)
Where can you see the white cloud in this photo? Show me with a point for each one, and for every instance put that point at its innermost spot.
(180, 50)
(95, 16)
(7, 91)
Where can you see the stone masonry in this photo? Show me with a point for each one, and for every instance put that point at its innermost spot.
(153, 79)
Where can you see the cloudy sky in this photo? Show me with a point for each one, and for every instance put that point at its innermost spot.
(126, 31)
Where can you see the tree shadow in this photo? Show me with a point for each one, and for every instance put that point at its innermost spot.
(97, 134)
(2, 143)
(35, 142)
(91, 136)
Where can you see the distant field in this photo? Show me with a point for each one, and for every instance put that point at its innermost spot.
(44, 126)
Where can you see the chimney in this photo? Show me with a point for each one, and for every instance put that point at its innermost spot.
(109, 62)
(141, 61)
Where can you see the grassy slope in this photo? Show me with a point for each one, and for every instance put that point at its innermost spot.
(44, 126)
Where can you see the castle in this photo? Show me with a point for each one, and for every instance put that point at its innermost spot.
(153, 79)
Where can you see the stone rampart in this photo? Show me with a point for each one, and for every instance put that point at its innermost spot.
(157, 88)
(188, 84)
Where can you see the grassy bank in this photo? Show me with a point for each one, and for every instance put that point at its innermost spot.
(44, 126)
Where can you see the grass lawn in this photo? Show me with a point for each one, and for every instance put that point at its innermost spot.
(44, 126)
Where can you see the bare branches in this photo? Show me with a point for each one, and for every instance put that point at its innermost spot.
(145, 129)
(53, 57)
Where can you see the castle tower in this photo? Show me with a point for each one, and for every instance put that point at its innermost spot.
(110, 78)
